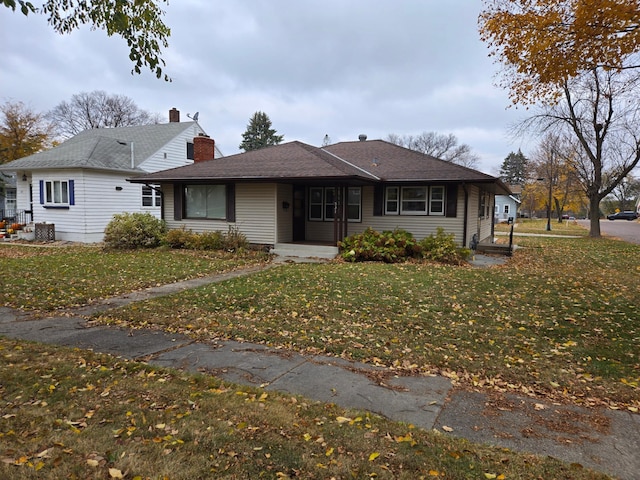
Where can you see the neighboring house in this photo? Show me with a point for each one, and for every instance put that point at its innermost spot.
(79, 185)
(506, 209)
(295, 192)
(7, 196)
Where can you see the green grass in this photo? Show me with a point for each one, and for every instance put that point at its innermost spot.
(76, 414)
(539, 226)
(45, 279)
(560, 320)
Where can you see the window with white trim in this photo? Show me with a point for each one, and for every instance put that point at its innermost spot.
(151, 196)
(56, 192)
(322, 204)
(415, 200)
(205, 201)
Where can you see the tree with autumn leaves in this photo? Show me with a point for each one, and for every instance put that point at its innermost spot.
(577, 62)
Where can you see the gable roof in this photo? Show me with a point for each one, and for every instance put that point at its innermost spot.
(362, 162)
(104, 148)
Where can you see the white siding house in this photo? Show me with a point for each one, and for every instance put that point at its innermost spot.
(79, 185)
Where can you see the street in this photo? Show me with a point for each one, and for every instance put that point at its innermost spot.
(622, 229)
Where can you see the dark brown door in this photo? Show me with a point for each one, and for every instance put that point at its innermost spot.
(299, 213)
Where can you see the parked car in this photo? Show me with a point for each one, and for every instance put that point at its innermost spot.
(627, 215)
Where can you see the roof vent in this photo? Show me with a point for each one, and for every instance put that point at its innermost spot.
(362, 137)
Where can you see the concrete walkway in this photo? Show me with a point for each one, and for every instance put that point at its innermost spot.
(605, 440)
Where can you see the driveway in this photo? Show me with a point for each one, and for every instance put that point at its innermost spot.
(622, 229)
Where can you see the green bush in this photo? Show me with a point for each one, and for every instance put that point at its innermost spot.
(388, 246)
(233, 240)
(442, 247)
(134, 230)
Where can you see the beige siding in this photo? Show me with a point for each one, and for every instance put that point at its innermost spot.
(255, 213)
(419, 225)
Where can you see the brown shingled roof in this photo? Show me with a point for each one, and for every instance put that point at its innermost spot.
(364, 162)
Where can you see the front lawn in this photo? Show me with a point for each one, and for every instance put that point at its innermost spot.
(560, 320)
(49, 278)
(539, 226)
(71, 414)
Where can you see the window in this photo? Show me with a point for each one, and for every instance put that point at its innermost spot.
(57, 192)
(436, 201)
(419, 200)
(322, 203)
(485, 205)
(151, 196)
(189, 150)
(10, 202)
(391, 203)
(205, 201)
(506, 209)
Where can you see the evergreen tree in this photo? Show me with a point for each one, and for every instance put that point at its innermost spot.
(514, 169)
(259, 133)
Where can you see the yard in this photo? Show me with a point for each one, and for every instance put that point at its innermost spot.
(560, 321)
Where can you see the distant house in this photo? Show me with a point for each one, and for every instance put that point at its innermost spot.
(507, 207)
(79, 185)
(297, 193)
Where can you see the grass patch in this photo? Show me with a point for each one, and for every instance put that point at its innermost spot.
(559, 320)
(526, 225)
(45, 279)
(75, 414)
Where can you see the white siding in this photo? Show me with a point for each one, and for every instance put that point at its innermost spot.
(96, 201)
(175, 150)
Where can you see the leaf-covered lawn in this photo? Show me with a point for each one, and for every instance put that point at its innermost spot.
(75, 414)
(50, 278)
(539, 225)
(561, 319)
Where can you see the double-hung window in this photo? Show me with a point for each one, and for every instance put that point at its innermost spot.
(322, 203)
(56, 192)
(205, 201)
(151, 196)
(415, 200)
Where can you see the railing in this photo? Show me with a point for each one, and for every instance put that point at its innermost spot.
(16, 216)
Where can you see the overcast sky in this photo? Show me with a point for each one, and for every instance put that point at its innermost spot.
(316, 67)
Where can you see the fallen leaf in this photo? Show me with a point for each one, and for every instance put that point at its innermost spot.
(115, 473)
(447, 429)
(373, 456)
(342, 420)
(92, 463)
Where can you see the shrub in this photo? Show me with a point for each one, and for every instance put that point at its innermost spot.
(206, 241)
(388, 246)
(235, 240)
(179, 238)
(134, 230)
(442, 247)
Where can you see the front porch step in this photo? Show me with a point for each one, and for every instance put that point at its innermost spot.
(494, 248)
(304, 251)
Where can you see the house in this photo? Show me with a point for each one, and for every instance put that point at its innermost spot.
(79, 185)
(508, 206)
(298, 193)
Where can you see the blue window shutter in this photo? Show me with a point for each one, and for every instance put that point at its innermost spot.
(72, 196)
(41, 192)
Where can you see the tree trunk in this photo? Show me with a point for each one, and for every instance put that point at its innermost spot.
(594, 216)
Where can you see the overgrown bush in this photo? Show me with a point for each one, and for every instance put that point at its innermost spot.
(442, 247)
(134, 230)
(233, 240)
(388, 246)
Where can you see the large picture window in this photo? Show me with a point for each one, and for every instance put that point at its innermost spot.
(322, 202)
(415, 200)
(205, 201)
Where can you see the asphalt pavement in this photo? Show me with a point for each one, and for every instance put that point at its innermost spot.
(601, 439)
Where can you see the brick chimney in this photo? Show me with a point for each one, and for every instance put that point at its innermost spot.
(204, 148)
(174, 115)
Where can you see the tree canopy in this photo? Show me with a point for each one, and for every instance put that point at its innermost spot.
(514, 169)
(97, 109)
(139, 23)
(542, 43)
(259, 133)
(23, 132)
(439, 145)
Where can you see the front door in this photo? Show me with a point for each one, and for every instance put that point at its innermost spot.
(299, 213)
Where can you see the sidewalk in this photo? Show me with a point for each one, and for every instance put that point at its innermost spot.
(605, 440)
